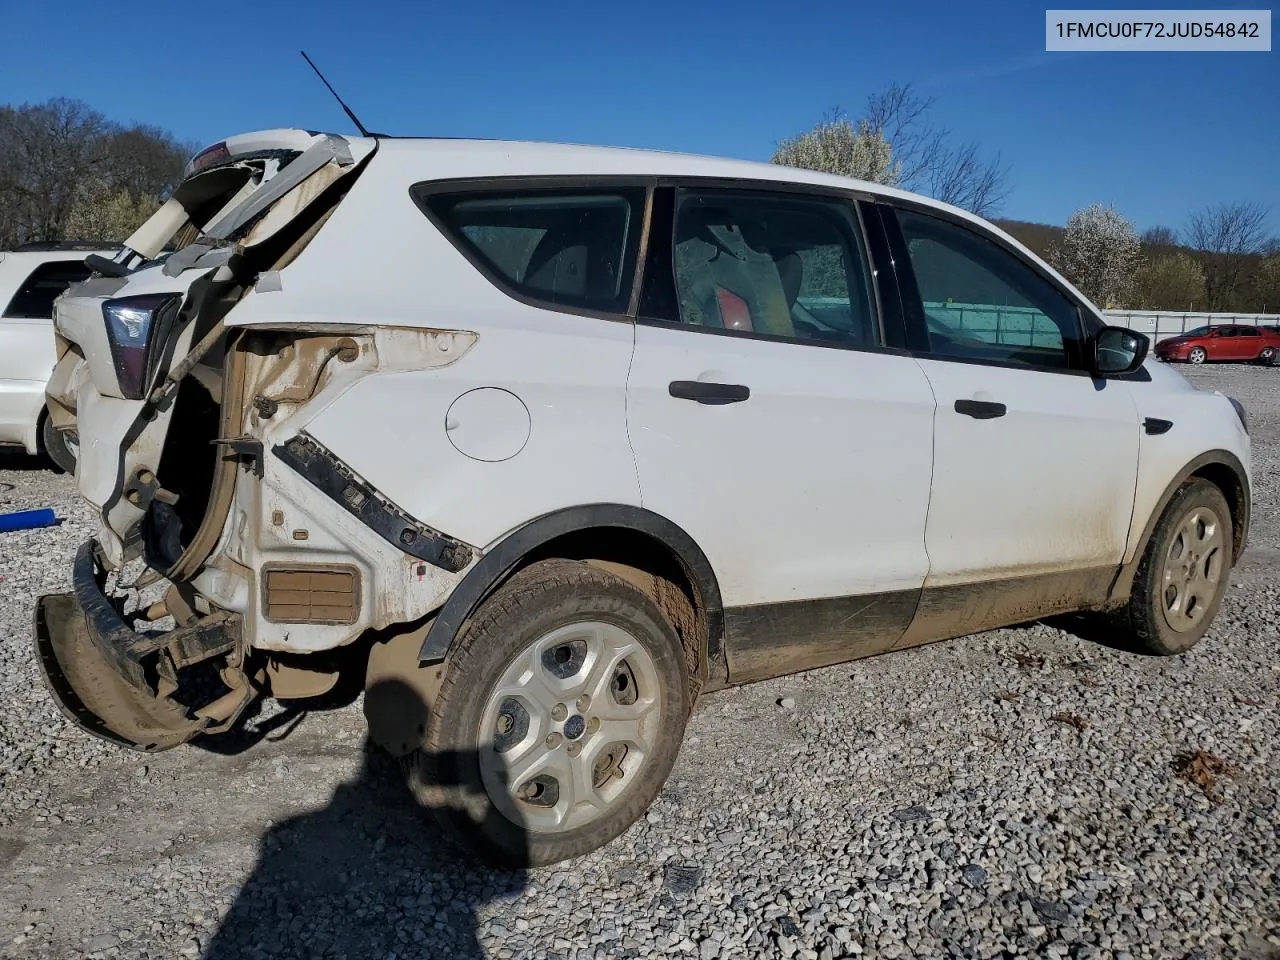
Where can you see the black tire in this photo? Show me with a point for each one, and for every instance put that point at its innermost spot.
(1146, 618)
(1268, 356)
(54, 446)
(444, 775)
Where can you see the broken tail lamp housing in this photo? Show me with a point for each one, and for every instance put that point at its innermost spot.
(208, 157)
(138, 330)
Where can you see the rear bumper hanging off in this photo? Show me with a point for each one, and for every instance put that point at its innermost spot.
(147, 691)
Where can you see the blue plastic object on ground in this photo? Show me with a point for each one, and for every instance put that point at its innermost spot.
(27, 520)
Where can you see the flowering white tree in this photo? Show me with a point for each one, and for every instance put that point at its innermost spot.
(836, 146)
(1100, 254)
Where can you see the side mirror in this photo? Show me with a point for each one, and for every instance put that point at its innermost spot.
(1117, 351)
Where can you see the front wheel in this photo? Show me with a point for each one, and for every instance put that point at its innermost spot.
(559, 717)
(1183, 575)
(1197, 355)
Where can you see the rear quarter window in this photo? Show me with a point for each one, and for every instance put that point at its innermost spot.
(34, 299)
(561, 248)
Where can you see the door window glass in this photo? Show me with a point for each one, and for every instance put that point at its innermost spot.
(773, 265)
(981, 302)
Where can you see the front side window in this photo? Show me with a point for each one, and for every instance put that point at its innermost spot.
(34, 299)
(572, 248)
(981, 302)
(773, 265)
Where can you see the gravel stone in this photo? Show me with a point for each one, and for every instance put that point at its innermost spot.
(682, 877)
(774, 834)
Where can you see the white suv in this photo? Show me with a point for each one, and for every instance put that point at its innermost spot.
(549, 440)
(31, 278)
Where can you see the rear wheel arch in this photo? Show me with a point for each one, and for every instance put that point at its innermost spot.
(1225, 471)
(641, 547)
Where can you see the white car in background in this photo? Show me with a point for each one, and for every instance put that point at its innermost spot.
(544, 442)
(31, 278)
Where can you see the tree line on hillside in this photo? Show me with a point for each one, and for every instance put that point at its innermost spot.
(69, 173)
(1222, 259)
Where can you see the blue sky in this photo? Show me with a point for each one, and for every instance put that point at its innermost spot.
(1155, 134)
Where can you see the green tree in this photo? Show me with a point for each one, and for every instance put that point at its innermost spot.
(1171, 282)
(101, 212)
(1268, 283)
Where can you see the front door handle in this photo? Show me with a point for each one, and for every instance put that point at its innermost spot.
(980, 409)
(704, 392)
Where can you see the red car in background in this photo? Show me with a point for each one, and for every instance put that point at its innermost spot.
(1229, 341)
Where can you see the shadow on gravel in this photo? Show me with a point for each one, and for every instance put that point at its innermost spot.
(16, 459)
(369, 876)
(1094, 628)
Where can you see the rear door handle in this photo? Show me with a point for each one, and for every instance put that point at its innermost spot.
(704, 392)
(980, 409)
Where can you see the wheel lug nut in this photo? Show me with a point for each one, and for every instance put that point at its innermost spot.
(575, 749)
(558, 712)
(584, 703)
(505, 723)
(553, 740)
(593, 725)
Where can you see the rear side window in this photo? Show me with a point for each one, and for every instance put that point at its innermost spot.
(572, 247)
(34, 299)
(773, 265)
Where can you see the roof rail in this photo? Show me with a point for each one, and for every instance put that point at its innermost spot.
(38, 245)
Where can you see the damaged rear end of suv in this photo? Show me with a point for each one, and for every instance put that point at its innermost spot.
(186, 389)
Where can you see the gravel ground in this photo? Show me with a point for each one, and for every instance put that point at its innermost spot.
(1011, 794)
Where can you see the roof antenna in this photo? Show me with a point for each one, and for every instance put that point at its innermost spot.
(354, 118)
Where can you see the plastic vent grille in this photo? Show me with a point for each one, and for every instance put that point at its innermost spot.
(297, 594)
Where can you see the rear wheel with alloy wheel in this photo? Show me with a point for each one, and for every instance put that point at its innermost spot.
(559, 717)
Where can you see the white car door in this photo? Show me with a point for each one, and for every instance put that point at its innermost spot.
(28, 288)
(1035, 460)
(769, 422)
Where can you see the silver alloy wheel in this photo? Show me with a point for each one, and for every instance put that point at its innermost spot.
(568, 726)
(1197, 355)
(1192, 569)
(1267, 353)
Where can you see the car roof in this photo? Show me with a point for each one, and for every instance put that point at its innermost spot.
(457, 157)
(444, 158)
(531, 157)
